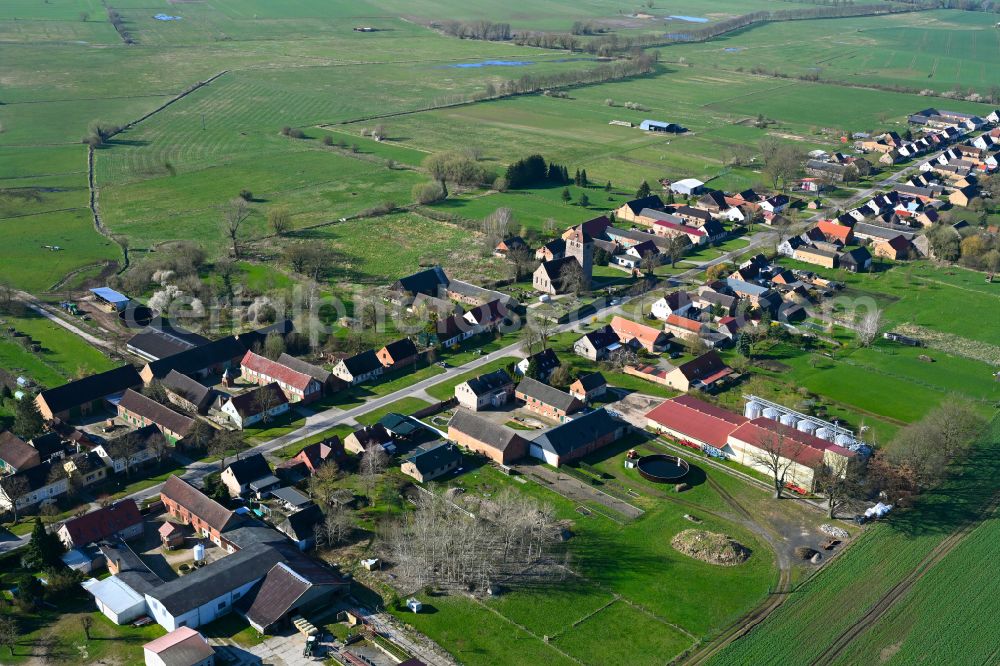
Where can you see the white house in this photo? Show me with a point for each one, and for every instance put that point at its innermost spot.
(137, 459)
(735, 214)
(119, 602)
(677, 303)
(246, 409)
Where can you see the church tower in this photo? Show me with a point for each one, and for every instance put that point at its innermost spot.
(580, 246)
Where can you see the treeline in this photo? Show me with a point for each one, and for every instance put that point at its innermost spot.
(965, 5)
(613, 71)
(533, 171)
(119, 24)
(485, 30)
(613, 44)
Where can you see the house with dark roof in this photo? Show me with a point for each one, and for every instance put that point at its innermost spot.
(546, 400)
(310, 458)
(259, 404)
(43, 483)
(359, 368)
(630, 210)
(577, 438)
(297, 386)
(139, 411)
(488, 316)
(896, 248)
(85, 396)
(596, 345)
(508, 244)
(242, 472)
(427, 463)
(497, 442)
(301, 588)
(431, 281)
(713, 201)
(554, 249)
(212, 358)
(398, 354)
(187, 393)
(488, 390)
(146, 446)
(858, 260)
(366, 437)
(545, 362)
(548, 277)
(16, 454)
(300, 525)
(120, 520)
(703, 373)
(183, 647)
(589, 386)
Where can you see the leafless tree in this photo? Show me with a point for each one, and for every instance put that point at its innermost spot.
(649, 262)
(125, 449)
(571, 278)
(224, 443)
(522, 260)
(15, 488)
(677, 247)
(265, 400)
(324, 484)
(235, 215)
(337, 525)
(775, 454)
(868, 328)
(530, 336)
(837, 480)
(496, 226)
(549, 226)
(373, 462)
(9, 632)
(280, 220)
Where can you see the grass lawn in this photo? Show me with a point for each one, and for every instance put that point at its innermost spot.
(63, 355)
(287, 452)
(284, 424)
(404, 406)
(590, 641)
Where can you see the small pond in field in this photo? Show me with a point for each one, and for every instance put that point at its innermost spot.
(689, 19)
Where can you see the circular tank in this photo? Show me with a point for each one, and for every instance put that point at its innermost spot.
(199, 552)
(752, 410)
(789, 419)
(661, 468)
(824, 433)
(805, 425)
(770, 413)
(844, 440)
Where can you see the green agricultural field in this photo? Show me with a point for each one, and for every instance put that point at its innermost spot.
(920, 623)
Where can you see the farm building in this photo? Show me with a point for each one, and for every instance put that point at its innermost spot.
(430, 462)
(687, 186)
(546, 400)
(497, 442)
(577, 438)
(660, 126)
(86, 395)
(181, 647)
(109, 299)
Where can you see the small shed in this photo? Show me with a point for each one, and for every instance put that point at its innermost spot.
(171, 535)
(84, 559)
(110, 299)
(414, 605)
(119, 602)
(660, 126)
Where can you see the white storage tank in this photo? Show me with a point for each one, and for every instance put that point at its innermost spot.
(199, 552)
(824, 433)
(770, 413)
(807, 425)
(752, 410)
(845, 440)
(788, 419)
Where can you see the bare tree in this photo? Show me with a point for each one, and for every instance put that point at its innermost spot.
(265, 400)
(530, 336)
(775, 454)
(15, 488)
(337, 525)
(323, 484)
(649, 262)
(373, 462)
(496, 226)
(868, 328)
(835, 480)
(223, 443)
(571, 279)
(280, 220)
(125, 449)
(549, 226)
(233, 218)
(678, 245)
(9, 632)
(522, 259)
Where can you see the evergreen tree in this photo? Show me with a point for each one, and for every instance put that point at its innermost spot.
(566, 196)
(583, 178)
(44, 551)
(28, 420)
(643, 191)
(532, 371)
(584, 200)
(607, 188)
(576, 179)
(743, 345)
(671, 199)
(565, 175)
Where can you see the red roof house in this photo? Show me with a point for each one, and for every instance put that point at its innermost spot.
(121, 519)
(297, 386)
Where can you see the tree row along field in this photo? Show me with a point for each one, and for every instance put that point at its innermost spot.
(884, 556)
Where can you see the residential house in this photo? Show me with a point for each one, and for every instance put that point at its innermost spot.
(297, 386)
(588, 387)
(836, 233)
(830, 170)
(758, 296)
(962, 196)
(300, 525)
(85, 396)
(508, 244)
(86, 468)
(715, 302)
(43, 483)
(187, 393)
(398, 354)
(737, 214)
(596, 345)
(684, 328)
(453, 330)
(139, 411)
(120, 520)
(775, 204)
(146, 445)
(489, 390)
(359, 368)
(259, 404)
(545, 362)
(577, 438)
(366, 437)
(897, 248)
(487, 317)
(400, 426)
(16, 455)
(427, 463)
(676, 302)
(666, 225)
(858, 260)
(497, 442)
(632, 333)
(546, 400)
(310, 458)
(703, 373)
(713, 201)
(328, 382)
(696, 217)
(183, 647)
(554, 249)
(630, 210)
(238, 476)
(813, 255)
